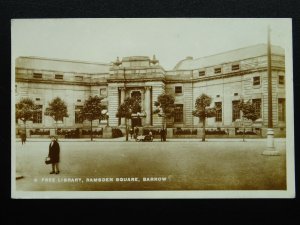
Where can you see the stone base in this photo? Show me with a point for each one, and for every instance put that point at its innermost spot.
(107, 132)
(271, 152)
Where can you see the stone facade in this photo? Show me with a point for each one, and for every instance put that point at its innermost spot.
(226, 77)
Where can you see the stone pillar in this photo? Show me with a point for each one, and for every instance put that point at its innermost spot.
(122, 100)
(148, 106)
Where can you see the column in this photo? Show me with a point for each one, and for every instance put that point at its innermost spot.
(148, 106)
(122, 100)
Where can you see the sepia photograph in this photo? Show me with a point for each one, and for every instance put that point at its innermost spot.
(152, 108)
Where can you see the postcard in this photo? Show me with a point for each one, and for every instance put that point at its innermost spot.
(152, 108)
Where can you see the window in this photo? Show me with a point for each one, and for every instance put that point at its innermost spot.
(37, 116)
(256, 80)
(103, 91)
(59, 76)
(217, 96)
(236, 94)
(37, 75)
(78, 119)
(78, 78)
(235, 110)
(281, 109)
(235, 67)
(218, 106)
(178, 113)
(218, 70)
(178, 89)
(257, 105)
(201, 73)
(78, 100)
(37, 99)
(280, 79)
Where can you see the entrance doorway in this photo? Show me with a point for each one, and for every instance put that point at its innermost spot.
(136, 122)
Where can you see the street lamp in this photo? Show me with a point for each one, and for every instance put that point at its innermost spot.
(89, 115)
(270, 133)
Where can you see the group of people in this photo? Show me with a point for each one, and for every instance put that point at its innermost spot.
(134, 132)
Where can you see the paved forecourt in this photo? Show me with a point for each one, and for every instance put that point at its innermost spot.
(172, 165)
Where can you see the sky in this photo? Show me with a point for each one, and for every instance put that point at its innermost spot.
(170, 40)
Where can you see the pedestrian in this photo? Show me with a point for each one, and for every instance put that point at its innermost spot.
(131, 132)
(136, 131)
(150, 135)
(23, 138)
(161, 134)
(54, 152)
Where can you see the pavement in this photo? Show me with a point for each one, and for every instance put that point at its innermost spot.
(123, 139)
(186, 164)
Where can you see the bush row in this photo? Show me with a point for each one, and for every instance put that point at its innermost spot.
(116, 133)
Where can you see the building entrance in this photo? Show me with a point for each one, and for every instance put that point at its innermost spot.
(136, 122)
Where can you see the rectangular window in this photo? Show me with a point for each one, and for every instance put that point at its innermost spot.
(103, 91)
(256, 80)
(37, 116)
(235, 111)
(178, 113)
(37, 75)
(78, 78)
(218, 106)
(280, 79)
(218, 70)
(201, 73)
(257, 105)
(281, 109)
(178, 89)
(59, 76)
(78, 119)
(236, 94)
(235, 67)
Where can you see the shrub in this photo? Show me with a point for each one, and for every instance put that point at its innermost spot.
(116, 133)
(180, 131)
(95, 132)
(39, 132)
(217, 131)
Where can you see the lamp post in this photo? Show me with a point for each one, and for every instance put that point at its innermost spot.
(270, 133)
(89, 116)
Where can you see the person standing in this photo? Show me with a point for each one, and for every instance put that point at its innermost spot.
(23, 138)
(131, 132)
(54, 152)
(136, 131)
(161, 134)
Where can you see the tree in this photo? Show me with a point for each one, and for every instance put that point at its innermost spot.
(92, 110)
(165, 107)
(203, 110)
(127, 108)
(25, 109)
(57, 110)
(249, 112)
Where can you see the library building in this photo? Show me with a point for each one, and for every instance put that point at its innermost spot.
(226, 77)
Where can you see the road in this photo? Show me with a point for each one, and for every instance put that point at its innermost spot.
(171, 165)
